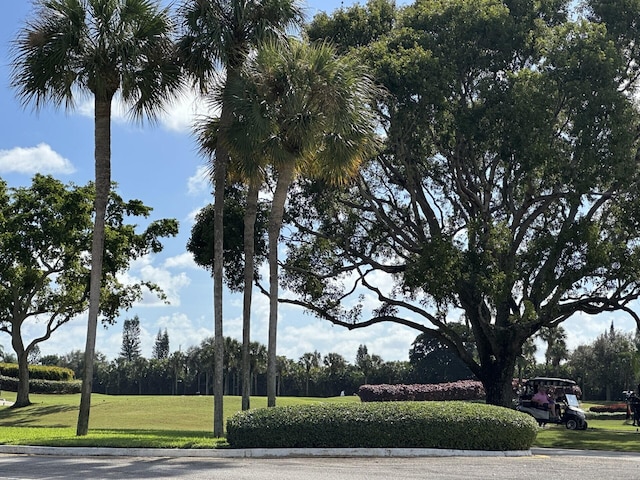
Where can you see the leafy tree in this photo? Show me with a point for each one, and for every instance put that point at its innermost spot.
(354, 27)
(221, 33)
(44, 266)
(161, 346)
(507, 188)
(200, 243)
(130, 349)
(434, 362)
(101, 48)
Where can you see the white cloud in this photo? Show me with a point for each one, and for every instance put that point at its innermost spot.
(181, 114)
(178, 116)
(39, 159)
(198, 183)
(171, 284)
(184, 260)
(182, 330)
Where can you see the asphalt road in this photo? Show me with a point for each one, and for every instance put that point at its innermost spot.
(552, 465)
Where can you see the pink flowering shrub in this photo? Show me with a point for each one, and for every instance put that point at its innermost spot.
(613, 408)
(460, 390)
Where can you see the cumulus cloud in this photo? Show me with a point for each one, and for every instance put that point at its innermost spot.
(178, 116)
(184, 260)
(39, 159)
(198, 183)
(170, 283)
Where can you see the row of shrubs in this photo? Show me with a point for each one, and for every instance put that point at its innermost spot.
(461, 390)
(445, 425)
(39, 372)
(42, 386)
(612, 408)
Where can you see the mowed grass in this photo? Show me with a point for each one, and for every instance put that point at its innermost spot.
(125, 421)
(187, 422)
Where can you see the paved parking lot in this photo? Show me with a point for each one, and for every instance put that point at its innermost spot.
(552, 464)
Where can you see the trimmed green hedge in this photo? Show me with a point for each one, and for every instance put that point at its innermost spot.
(39, 372)
(42, 386)
(450, 425)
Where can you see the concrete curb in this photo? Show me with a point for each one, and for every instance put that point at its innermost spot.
(257, 452)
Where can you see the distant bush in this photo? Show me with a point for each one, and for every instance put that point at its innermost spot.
(39, 372)
(461, 390)
(448, 425)
(612, 408)
(42, 386)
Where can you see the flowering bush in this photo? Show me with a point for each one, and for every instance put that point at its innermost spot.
(461, 390)
(613, 408)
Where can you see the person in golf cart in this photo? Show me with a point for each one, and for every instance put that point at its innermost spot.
(545, 401)
(566, 409)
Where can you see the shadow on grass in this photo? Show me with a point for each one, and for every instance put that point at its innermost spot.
(32, 415)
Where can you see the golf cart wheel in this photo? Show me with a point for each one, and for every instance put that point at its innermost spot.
(572, 424)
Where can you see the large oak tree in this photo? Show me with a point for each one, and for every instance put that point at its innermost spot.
(508, 194)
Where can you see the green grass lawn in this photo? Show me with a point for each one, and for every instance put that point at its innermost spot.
(125, 421)
(187, 422)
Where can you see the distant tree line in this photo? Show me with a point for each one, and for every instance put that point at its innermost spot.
(603, 368)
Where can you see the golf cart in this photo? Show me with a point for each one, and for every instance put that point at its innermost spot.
(565, 394)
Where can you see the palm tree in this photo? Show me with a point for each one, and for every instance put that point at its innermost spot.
(100, 47)
(309, 360)
(302, 108)
(218, 35)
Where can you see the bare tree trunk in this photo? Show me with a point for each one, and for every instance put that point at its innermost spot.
(285, 177)
(249, 260)
(103, 186)
(22, 395)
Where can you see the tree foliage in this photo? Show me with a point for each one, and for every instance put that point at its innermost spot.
(508, 188)
(130, 349)
(44, 262)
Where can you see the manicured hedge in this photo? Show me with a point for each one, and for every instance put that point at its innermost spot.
(42, 386)
(461, 390)
(447, 425)
(39, 372)
(612, 408)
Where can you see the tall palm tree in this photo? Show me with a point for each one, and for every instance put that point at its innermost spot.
(218, 35)
(100, 47)
(303, 109)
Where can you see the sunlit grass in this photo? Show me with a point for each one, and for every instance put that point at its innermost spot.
(125, 421)
(614, 435)
(187, 422)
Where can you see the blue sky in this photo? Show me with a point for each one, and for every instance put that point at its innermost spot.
(159, 164)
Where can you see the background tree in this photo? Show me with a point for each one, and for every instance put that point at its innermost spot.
(97, 47)
(130, 349)
(44, 268)
(507, 188)
(309, 360)
(435, 362)
(161, 345)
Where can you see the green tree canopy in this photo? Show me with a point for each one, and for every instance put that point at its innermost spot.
(508, 189)
(45, 239)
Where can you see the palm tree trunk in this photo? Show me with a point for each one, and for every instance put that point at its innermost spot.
(220, 176)
(249, 253)
(103, 185)
(285, 178)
